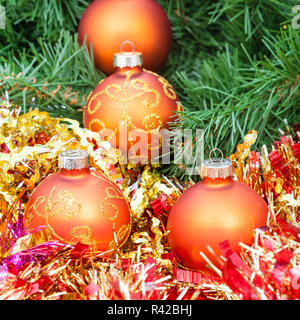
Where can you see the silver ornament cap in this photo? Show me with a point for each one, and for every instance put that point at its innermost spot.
(127, 58)
(74, 159)
(217, 167)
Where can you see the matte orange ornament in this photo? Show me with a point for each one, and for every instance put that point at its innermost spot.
(79, 205)
(212, 211)
(139, 99)
(107, 23)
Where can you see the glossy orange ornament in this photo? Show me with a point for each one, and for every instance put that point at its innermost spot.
(80, 205)
(210, 212)
(107, 23)
(134, 97)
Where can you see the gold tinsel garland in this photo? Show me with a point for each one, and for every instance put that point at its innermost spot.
(32, 268)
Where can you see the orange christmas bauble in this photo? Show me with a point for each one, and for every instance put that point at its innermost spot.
(210, 212)
(79, 205)
(107, 23)
(134, 97)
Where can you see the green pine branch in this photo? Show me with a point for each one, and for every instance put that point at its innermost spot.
(228, 98)
(59, 77)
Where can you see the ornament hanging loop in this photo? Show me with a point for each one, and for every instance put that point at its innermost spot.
(216, 149)
(127, 42)
(217, 167)
(127, 58)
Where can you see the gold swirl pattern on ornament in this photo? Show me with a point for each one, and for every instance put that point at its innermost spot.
(96, 122)
(126, 118)
(34, 207)
(29, 216)
(150, 124)
(65, 204)
(82, 234)
(117, 191)
(98, 104)
(126, 121)
(168, 89)
(53, 233)
(98, 101)
(104, 202)
(135, 83)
